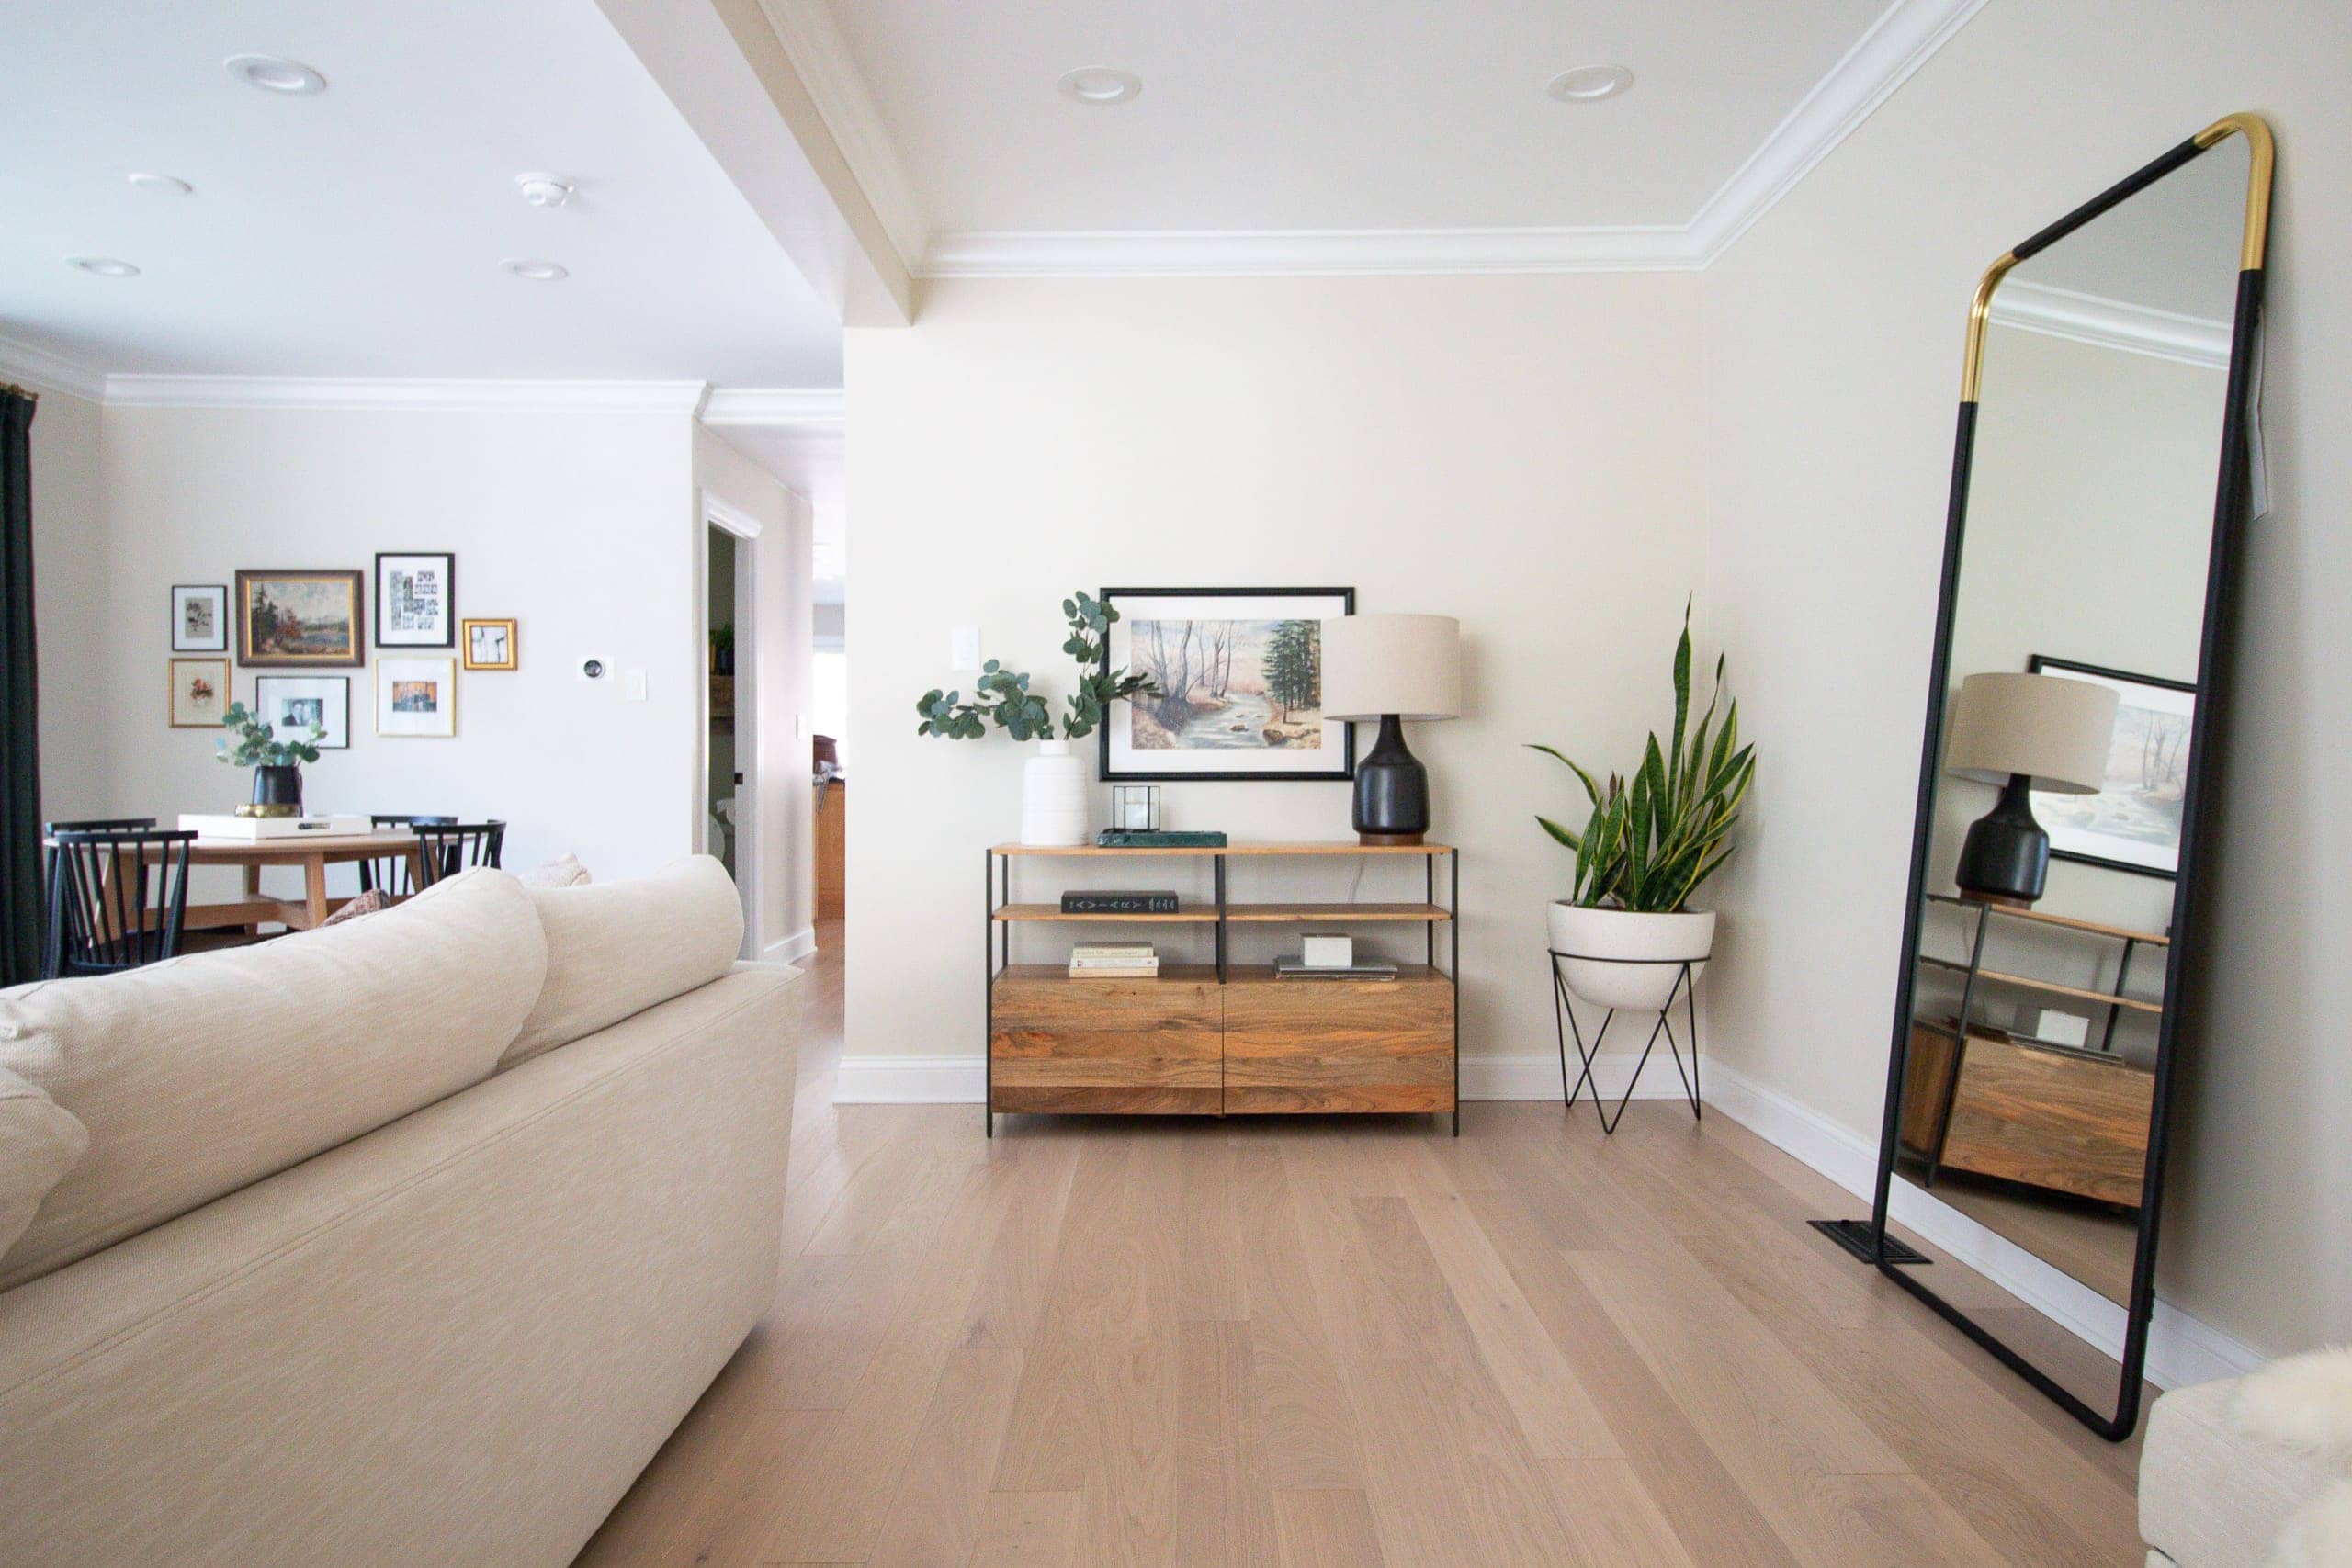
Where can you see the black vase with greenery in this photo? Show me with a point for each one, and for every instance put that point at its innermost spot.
(277, 764)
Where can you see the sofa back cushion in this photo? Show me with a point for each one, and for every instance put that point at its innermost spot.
(616, 947)
(40, 1141)
(198, 1075)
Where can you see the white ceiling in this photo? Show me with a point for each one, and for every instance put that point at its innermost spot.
(807, 457)
(1321, 115)
(359, 233)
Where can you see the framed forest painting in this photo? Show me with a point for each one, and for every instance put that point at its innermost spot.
(1240, 678)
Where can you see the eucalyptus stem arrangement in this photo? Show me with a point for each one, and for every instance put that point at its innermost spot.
(257, 745)
(1003, 696)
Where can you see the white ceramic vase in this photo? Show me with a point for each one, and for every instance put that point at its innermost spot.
(1626, 960)
(1053, 797)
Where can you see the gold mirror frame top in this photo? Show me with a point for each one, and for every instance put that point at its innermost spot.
(2261, 157)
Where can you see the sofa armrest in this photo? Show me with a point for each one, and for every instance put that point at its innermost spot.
(2211, 1497)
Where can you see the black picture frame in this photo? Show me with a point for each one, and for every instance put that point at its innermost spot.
(2038, 662)
(448, 623)
(219, 592)
(262, 694)
(1346, 598)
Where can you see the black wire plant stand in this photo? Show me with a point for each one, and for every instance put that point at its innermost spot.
(1563, 1020)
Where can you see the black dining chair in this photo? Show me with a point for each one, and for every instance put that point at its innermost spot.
(101, 919)
(389, 874)
(445, 849)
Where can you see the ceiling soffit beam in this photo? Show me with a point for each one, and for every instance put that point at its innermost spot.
(720, 64)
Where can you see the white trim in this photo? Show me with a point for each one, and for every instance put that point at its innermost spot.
(386, 392)
(910, 1080)
(2112, 324)
(1882, 60)
(728, 517)
(774, 405)
(800, 944)
(2181, 1349)
(813, 42)
(1537, 1076)
(23, 361)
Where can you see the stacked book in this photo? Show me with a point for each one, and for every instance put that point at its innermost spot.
(1113, 960)
(1119, 901)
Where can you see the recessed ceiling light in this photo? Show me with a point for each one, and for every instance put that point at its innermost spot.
(162, 185)
(104, 266)
(538, 271)
(1101, 85)
(272, 74)
(1589, 83)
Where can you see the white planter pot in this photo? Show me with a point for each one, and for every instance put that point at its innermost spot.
(1053, 797)
(1613, 945)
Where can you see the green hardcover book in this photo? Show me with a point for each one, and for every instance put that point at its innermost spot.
(1134, 839)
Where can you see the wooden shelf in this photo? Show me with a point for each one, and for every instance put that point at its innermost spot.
(1054, 912)
(1333, 846)
(2052, 987)
(2041, 916)
(1335, 913)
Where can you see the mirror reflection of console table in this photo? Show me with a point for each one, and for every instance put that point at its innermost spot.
(1987, 1102)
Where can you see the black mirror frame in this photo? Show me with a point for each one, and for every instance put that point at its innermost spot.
(2232, 496)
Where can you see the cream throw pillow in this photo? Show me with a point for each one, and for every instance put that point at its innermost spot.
(616, 947)
(565, 872)
(200, 1075)
(40, 1141)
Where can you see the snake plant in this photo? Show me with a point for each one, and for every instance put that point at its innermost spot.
(1649, 843)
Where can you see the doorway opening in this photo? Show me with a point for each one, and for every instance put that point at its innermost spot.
(731, 826)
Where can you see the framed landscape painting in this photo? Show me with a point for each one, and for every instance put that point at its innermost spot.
(2133, 822)
(1240, 678)
(416, 599)
(199, 617)
(292, 703)
(298, 619)
(416, 696)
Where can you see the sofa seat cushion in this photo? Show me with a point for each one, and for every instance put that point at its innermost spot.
(616, 947)
(40, 1141)
(198, 1075)
(2211, 1494)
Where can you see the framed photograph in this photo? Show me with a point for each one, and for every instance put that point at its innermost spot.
(291, 704)
(2133, 824)
(491, 645)
(416, 696)
(199, 692)
(199, 617)
(294, 619)
(416, 599)
(1240, 677)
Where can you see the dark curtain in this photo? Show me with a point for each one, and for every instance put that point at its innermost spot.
(20, 853)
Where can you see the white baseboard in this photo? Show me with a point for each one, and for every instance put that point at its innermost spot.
(800, 944)
(910, 1080)
(2181, 1349)
(1537, 1076)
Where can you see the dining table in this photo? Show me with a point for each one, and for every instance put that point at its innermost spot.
(312, 854)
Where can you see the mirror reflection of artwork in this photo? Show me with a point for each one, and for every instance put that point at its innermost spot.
(1240, 679)
(2133, 822)
(416, 696)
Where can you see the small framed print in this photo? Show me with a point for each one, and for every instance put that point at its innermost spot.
(416, 696)
(199, 692)
(199, 617)
(491, 645)
(416, 599)
(292, 703)
(290, 619)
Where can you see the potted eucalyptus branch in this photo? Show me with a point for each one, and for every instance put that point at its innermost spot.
(1052, 782)
(1645, 849)
(277, 764)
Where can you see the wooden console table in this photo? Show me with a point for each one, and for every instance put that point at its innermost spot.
(1225, 1039)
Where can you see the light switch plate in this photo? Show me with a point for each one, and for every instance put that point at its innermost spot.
(964, 648)
(633, 686)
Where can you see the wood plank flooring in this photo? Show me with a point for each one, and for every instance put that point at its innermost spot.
(1097, 1341)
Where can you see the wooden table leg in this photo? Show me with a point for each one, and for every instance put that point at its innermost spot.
(253, 890)
(314, 888)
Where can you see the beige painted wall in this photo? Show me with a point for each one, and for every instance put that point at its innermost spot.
(1518, 452)
(70, 588)
(1833, 348)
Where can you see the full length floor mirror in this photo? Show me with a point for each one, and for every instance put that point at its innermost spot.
(2100, 478)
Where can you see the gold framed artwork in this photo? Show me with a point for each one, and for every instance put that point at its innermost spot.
(294, 620)
(416, 696)
(199, 692)
(491, 645)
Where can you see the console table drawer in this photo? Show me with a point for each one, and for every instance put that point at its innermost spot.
(1126, 1047)
(1318, 1045)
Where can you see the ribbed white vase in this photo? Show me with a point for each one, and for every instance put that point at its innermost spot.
(1053, 797)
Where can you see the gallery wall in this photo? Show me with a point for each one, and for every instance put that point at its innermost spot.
(1518, 452)
(1833, 338)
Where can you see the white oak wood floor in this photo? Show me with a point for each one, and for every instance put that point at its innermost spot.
(1344, 1342)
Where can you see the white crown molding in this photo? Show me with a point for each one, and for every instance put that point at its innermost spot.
(775, 406)
(1305, 253)
(2112, 324)
(1898, 43)
(22, 361)
(390, 393)
(812, 41)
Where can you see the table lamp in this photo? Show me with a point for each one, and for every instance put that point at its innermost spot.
(2021, 733)
(1392, 668)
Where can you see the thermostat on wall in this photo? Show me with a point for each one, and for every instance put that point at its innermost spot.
(593, 669)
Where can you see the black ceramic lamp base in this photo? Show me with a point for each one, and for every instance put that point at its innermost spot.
(2006, 859)
(1392, 803)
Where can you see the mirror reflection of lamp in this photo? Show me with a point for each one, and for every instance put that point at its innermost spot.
(2020, 733)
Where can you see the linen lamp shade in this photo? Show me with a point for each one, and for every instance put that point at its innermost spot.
(1378, 665)
(2055, 731)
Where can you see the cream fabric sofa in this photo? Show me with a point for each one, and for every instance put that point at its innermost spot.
(2217, 1493)
(406, 1241)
